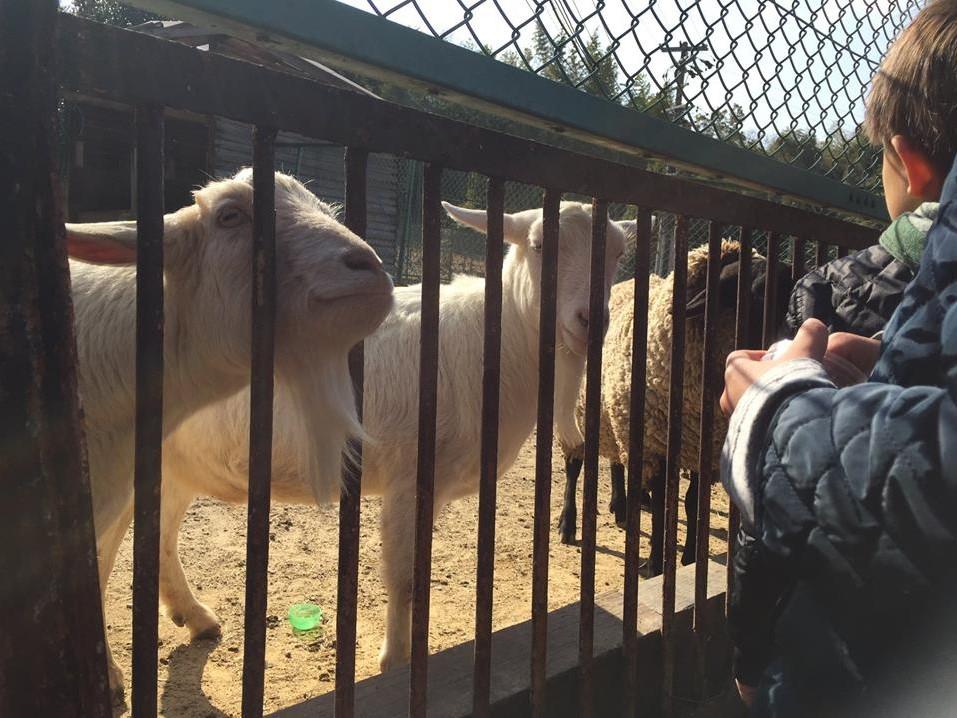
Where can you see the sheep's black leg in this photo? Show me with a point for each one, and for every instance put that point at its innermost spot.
(657, 563)
(618, 504)
(691, 512)
(567, 523)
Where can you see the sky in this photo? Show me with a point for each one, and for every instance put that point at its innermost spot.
(810, 60)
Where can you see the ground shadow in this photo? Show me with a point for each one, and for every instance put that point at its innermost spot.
(183, 690)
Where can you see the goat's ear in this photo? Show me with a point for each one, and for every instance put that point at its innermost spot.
(102, 242)
(515, 226)
(630, 229)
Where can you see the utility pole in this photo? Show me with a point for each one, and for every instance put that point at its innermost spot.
(664, 261)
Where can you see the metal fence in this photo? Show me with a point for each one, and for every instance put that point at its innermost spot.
(152, 74)
(782, 78)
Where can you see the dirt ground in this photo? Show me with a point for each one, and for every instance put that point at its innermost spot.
(203, 679)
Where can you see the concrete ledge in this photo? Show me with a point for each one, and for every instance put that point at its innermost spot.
(701, 666)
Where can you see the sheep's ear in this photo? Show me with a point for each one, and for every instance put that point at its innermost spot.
(102, 242)
(515, 226)
(727, 292)
(630, 229)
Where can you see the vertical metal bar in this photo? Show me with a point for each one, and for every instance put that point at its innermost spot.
(842, 251)
(52, 656)
(675, 410)
(820, 254)
(742, 340)
(798, 264)
(148, 470)
(768, 334)
(710, 379)
(428, 404)
(636, 451)
(347, 595)
(491, 361)
(596, 334)
(543, 449)
(260, 418)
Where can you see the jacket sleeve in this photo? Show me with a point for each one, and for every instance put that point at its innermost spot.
(860, 476)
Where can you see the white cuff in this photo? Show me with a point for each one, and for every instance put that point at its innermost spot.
(747, 430)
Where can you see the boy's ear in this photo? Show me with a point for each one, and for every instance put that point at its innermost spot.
(924, 180)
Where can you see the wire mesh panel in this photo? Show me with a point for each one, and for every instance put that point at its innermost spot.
(782, 78)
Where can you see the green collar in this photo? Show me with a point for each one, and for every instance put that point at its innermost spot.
(905, 236)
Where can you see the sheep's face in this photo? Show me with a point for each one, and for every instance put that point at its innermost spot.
(525, 231)
(331, 288)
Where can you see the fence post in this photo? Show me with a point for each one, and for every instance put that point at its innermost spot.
(52, 651)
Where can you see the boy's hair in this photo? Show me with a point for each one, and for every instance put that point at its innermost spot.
(914, 93)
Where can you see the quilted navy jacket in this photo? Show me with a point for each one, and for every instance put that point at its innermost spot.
(857, 293)
(845, 592)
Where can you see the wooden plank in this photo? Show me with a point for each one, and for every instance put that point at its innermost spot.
(450, 671)
(52, 654)
(107, 62)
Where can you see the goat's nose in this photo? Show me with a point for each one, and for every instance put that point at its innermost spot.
(361, 260)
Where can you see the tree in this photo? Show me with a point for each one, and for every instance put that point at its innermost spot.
(110, 12)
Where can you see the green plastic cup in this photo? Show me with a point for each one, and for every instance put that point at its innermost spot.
(305, 616)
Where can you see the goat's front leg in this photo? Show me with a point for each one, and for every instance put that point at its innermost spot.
(568, 521)
(107, 546)
(182, 606)
(398, 536)
(619, 500)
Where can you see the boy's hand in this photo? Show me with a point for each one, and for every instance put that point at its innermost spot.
(862, 352)
(745, 367)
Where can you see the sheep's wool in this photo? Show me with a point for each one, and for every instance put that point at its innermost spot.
(616, 371)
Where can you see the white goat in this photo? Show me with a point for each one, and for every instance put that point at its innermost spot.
(206, 455)
(331, 293)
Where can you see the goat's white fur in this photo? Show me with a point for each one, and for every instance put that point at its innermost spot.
(205, 456)
(321, 303)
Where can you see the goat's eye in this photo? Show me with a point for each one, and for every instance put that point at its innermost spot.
(230, 217)
(537, 248)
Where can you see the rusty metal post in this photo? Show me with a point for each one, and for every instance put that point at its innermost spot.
(675, 406)
(711, 379)
(596, 335)
(260, 418)
(543, 449)
(148, 471)
(52, 655)
(491, 366)
(428, 407)
(742, 340)
(347, 594)
(636, 451)
(770, 290)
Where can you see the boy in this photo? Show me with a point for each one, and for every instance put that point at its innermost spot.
(858, 293)
(847, 566)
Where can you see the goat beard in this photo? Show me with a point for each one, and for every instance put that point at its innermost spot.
(569, 375)
(323, 422)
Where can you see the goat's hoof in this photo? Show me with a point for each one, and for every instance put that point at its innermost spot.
(203, 624)
(389, 660)
(566, 529)
(117, 689)
(645, 499)
(621, 523)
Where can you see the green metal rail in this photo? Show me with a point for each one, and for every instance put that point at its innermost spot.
(356, 41)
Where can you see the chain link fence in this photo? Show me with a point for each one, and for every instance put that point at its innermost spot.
(785, 78)
(463, 249)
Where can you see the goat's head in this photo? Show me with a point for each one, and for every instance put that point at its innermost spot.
(331, 287)
(524, 230)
